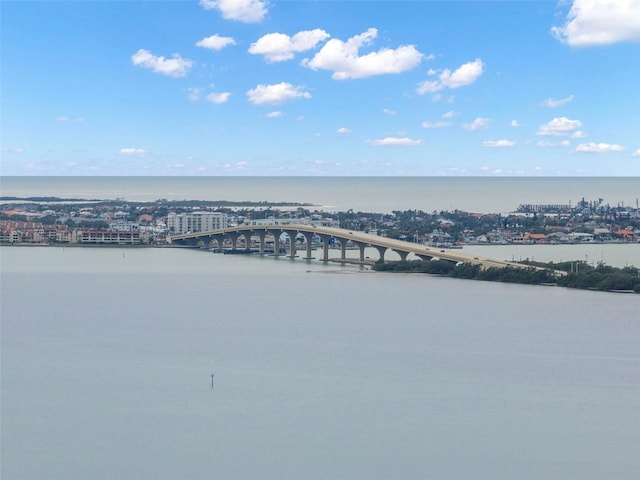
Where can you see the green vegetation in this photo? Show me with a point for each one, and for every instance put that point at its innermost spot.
(580, 274)
(600, 277)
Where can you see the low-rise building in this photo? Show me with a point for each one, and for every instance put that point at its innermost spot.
(536, 238)
(105, 237)
(581, 237)
(180, 223)
(10, 235)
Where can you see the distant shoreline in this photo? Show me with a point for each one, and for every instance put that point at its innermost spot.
(178, 203)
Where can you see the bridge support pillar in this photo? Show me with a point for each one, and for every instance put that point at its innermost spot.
(381, 252)
(276, 245)
(343, 248)
(308, 237)
(276, 241)
(247, 240)
(361, 246)
(403, 255)
(218, 240)
(233, 236)
(292, 242)
(261, 236)
(325, 247)
(424, 257)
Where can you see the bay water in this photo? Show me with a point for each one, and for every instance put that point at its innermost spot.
(184, 364)
(165, 363)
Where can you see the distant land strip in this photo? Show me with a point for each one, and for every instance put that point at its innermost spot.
(183, 203)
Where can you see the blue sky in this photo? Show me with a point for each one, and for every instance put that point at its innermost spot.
(248, 87)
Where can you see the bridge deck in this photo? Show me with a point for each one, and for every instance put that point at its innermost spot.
(359, 238)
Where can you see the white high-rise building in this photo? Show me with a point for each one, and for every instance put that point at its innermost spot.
(179, 223)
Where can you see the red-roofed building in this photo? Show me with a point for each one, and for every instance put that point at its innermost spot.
(536, 238)
(626, 234)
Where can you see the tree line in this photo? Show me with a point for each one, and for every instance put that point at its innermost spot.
(579, 273)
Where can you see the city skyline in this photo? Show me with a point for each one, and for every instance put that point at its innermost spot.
(248, 87)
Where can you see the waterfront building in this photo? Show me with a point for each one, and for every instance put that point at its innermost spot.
(581, 237)
(180, 223)
(536, 238)
(105, 237)
(10, 235)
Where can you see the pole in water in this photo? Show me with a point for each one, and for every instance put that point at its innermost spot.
(212, 375)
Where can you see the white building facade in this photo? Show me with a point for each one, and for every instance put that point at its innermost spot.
(179, 223)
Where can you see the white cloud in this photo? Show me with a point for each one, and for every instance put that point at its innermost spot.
(215, 42)
(17, 150)
(173, 67)
(275, 114)
(343, 59)
(464, 75)
(134, 152)
(404, 141)
(498, 143)
(70, 120)
(389, 111)
(558, 102)
(636, 153)
(600, 22)
(278, 47)
(276, 94)
(218, 98)
(343, 130)
(427, 124)
(194, 93)
(563, 143)
(450, 114)
(477, 124)
(599, 148)
(515, 123)
(558, 127)
(437, 97)
(247, 11)
(578, 134)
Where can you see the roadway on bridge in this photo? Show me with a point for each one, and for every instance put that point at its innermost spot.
(357, 237)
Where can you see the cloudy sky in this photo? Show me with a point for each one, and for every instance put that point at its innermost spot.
(251, 87)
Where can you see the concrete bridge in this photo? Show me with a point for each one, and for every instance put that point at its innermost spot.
(360, 240)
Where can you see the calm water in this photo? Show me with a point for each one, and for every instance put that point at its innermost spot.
(614, 254)
(321, 372)
(367, 194)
